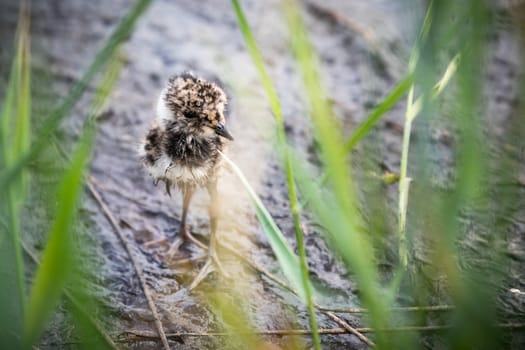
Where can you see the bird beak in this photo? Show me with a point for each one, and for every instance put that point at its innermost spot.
(221, 131)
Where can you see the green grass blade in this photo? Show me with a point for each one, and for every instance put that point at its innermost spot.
(288, 261)
(404, 182)
(89, 333)
(336, 208)
(364, 128)
(56, 263)
(379, 111)
(412, 111)
(22, 126)
(15, 133)
(349, 240)
(53, 120)
(275, 105)
(472, 287)
(7, 110)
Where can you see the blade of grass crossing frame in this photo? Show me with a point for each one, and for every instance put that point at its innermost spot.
(53, 120)
(364, 128)
(343, 233)
(89, 335)
(22, 129)
(22, 123)
(7, 110)
(305, 288)
(379, 111)
(288, 261)
(412, 111)
(14, 138)
(404, 182)
(56, 263)
(339, 212)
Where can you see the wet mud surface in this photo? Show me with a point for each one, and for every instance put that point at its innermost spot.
(362, 50)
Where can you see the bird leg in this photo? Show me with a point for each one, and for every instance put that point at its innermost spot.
(213, 259)
(184, 233)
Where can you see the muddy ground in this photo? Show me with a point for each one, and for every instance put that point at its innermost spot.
(362, 47)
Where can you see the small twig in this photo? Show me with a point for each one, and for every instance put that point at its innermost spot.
(75, 303)
(138, 268)
(136, 335)
(405, 309)
(347, 327)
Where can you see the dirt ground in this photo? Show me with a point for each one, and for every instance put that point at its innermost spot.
(362, 48)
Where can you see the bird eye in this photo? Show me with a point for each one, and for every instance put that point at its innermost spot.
(190, 114)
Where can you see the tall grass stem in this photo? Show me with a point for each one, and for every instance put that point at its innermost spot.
(285, 154)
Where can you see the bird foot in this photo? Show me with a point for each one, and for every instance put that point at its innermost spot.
(184, 236)
(212, 264)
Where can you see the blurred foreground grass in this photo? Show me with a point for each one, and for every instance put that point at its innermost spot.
(24, 316)
(428, 216)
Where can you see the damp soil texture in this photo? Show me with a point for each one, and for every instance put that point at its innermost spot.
(363, 48)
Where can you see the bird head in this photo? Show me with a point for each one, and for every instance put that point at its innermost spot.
(195, 105)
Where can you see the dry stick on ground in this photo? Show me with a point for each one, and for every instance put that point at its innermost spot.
(404, 309)
(138, 268)
(137, 335)
(75, 303)
(347, 327)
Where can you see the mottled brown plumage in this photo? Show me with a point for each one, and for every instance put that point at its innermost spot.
(182, 146)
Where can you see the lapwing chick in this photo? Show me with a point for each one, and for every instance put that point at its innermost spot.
(181, 149)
